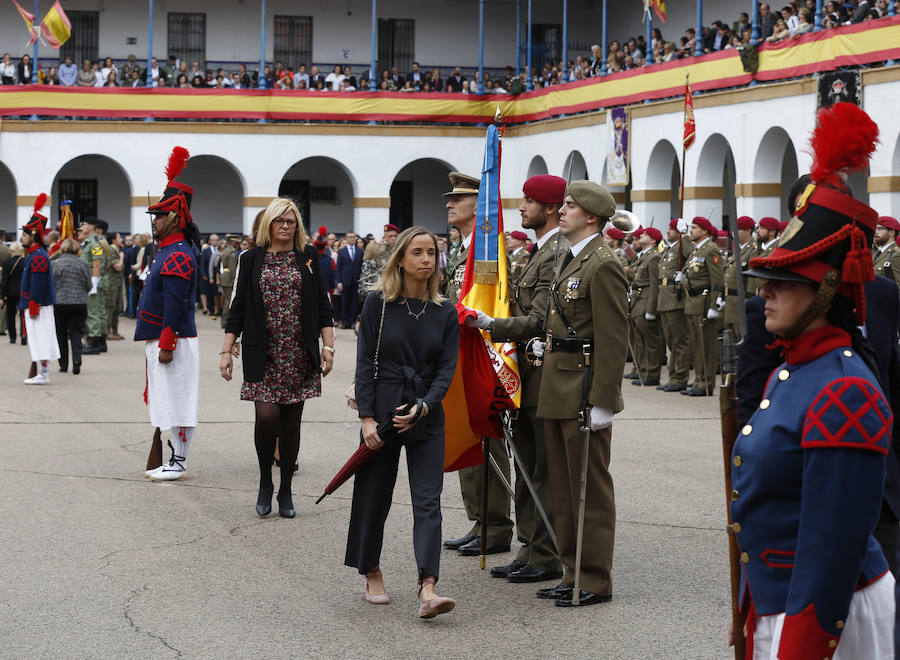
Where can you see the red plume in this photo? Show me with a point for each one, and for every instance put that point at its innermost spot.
(842, 142)
(177, 161)
(40, 201)
(322, 230)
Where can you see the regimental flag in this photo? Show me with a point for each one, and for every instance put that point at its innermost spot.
(56, 27)
(29, 23)
(487, 380)
(659, 8)
(690, 128)
(66, 220)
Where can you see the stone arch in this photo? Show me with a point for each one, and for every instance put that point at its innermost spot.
(416, 194)
(7, 201)
(576, 164)
(776, 162)
(537, 166)
(324, 190)
(664, 173)
(98, 186)
(218, 202)
(716, 172)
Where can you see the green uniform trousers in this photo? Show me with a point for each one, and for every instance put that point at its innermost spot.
(499, 523)
(96, 312)
(705, 348)
(114, 299)
(674, 324)
(226, 304)
(649, 348)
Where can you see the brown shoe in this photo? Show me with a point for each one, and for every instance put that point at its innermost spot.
(115, 337)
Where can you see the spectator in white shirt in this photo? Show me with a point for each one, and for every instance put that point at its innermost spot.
(336, 77)
(107, 68)
(68, 72)
(98, 76)
(790, 18)
(8, 70)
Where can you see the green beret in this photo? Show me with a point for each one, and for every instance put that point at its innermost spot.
(592, 197)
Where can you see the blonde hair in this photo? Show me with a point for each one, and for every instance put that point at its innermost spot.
(391, 280)
(71, 246)
(276, 208)
(371, 251)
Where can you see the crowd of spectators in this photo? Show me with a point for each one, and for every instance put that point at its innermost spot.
(792, 20)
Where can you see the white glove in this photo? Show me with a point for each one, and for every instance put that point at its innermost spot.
(712, 313)
(600, 418)
(650, 317)
(720, 304)
(537, 347)
(679, 276)
(481, 319)
(95, 282)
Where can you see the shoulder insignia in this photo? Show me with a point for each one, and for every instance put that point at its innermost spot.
(96, 250)
(179, 265)
(39, 264)
(715, 258)
(849, 412)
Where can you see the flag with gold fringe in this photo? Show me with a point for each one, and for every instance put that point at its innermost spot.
(487, 380)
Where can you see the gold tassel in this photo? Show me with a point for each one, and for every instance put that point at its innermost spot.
(486, 272)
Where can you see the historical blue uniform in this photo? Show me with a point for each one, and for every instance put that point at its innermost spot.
(38, 289)
(166, 308)
(808, 473)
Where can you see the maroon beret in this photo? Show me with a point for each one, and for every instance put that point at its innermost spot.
(889, 223)
(704, 224)
(673, 224)
(545, 188)
(518, 235)
(782, 226)
(745, 222)
(770, 223)
(636, 234)
(615, 233)
(722, 233)
(391, 228)
(654, 233)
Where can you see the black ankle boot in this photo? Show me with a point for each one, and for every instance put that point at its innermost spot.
(285, 504)
(264, 500)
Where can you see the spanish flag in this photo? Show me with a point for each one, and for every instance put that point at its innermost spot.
(659, 8)
(29, 23)
(56, 27)
(690, 126)
(487, 380)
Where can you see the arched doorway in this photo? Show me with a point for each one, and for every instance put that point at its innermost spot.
(323, 190)
(658, 201)
(714, 194)
(218, 202)
(774, 171)
(98, 187)
(575, 169)
(7, 202)
(537, 166)
(416, 195)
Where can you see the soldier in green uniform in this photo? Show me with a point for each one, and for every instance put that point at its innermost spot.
(670, 306)
(94, 252)
(579, 394)
(227, 269)
(387, 246)
(884, 252)
(730, 300)
(461, 204)
(649, 346)
(518, 255)
(704, 282)
(115, 294)
(542, 196)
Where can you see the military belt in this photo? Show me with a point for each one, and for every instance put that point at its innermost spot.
(698, 291)
(568, 345)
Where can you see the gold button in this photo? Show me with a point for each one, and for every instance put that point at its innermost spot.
(736, 528)
(832, 643)
(735, 495)
(737, 461)
(580, 365)
(848, 354)
(745, 558)
(747, 430)
(784, 374)
(552, 311)
(765, 403)
(839, 624)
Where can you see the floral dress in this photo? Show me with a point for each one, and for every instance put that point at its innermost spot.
(291, 375)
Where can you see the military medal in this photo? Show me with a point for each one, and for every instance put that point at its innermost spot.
(572, 288)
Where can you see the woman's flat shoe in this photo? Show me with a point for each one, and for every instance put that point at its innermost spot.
(380, 599)
(285, 505)
(428, 609)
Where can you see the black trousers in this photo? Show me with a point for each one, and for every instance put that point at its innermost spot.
(12, 312)
(349, 305)
(69, 326)
(373, 489)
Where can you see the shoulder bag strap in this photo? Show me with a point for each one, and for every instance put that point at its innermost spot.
(380, 327)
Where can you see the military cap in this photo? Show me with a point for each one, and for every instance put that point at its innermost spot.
(745, 222)
(592, 197)
(94, 222)
(705, 225)
(463, 184)
(545, 188)
(770, 223)
(637, 233)
(888, 222)
(518, 235)
(722, 233)
(615, 233)
(654, 233)
(232, 238)
(390, 227)
(102, 225)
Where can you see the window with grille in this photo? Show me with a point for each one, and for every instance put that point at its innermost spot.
(396, 43)
(83, 193)
(293, 41)
(187, 38)
(546, 45)
(84, 42)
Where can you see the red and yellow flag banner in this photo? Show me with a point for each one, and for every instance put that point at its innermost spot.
(56, 27)
(29, 23)
(690, 126)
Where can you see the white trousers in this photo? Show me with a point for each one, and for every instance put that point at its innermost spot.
(868, 633)
(41, 333)
(172, 389)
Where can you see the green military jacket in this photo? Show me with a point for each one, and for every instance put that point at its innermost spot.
(528, 311)
(645, 284)
(94, 249)
(732, 311)
(704, 279)
(383, 254)
(671, 293)
(227, 266)
(887, 262)
(591, 291)
(754, 283)
(517, 263)
(456, 270)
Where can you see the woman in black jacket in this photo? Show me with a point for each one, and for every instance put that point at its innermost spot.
(280, 310)
(10, 287)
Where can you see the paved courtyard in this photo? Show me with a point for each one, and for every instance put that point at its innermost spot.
(96, 561)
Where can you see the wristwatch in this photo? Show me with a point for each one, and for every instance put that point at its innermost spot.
(328, 348)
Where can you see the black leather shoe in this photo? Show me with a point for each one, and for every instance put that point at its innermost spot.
(533, 574)
(90, 349)
(506, 569)
(555, 593)
(694, 391)
(264, 501)
(646, 383)
(285, 505)
(102, 344)
(76, 368)
(632, 376)
(473, 548)
(64, 370)
(456, 544)
(587, 598)
(672, 387)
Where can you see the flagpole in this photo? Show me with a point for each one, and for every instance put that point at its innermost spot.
(149, 80)
(603, 70)
(687, 81)
(648, 50)
(34, 58)
(529, 85)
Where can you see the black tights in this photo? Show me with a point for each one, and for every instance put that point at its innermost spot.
(281, 421)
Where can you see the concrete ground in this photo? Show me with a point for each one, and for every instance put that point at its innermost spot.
(96, 561)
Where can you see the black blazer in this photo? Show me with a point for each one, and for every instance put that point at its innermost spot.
(247, 316)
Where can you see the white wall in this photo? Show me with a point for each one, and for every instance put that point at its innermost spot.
(113, 190)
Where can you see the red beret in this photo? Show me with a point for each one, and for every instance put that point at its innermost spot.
(615, 233)
(545, 188)
(889, 223)
(519, 235)
(770, 223)
(722, 233)
(673, 224)
(636, 234)
(704, 224)
(391, 228)
(654, 233)
(782, 226)
(745, 222)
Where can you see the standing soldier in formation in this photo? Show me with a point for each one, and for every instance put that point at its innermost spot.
(227, 271)
(704, 282)
(580, 394)
(518, 255)
(748, 251)
(97, 257)
(767, 233)
(542, 196)
(115, 295)
(387, 246)
(884, 252)
(461, 206)
(649, 346)
(670, 306)
(615, 239)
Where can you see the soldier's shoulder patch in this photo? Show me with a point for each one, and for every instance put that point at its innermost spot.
(178, 264)
(716, 258)
(96, 250)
